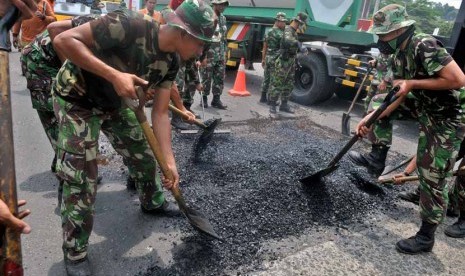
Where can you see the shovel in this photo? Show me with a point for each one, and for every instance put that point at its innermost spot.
(390, 169)
(403, 179)
(195, 218)
(333, 164)
(345, 124)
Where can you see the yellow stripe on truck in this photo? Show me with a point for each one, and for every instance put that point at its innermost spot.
(354, 62)
(232, 45)
(232, 30)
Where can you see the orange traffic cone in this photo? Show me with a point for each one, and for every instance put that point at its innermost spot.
(239, 88)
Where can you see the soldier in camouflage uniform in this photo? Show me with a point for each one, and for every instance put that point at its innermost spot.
(270, 52)
(213, 73)
(106, 60)
(422, 66)
(282, 78)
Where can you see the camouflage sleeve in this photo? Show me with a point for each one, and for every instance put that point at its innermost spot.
(191, 71)
(112, 30)
(289, 40)
(170, 76)
(384, 68)
(433, 57)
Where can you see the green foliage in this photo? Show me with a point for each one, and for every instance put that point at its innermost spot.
(428, 14)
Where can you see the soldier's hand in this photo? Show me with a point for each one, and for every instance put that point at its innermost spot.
(263, 64)
(361, 130)
(191, 116)
(397, 177)
(199, 87)
(404, 87)
(149, 94)
(16, 223)
(382, 86)
(372, 63)
(170, 184)
(124, 85)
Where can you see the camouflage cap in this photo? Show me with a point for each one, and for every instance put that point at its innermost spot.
(301, 17)
(195, 17)
(390, 18)
(219, 2)
(281, 16)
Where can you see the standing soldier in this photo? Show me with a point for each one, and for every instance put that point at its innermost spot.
(421, 65)
(213, 73)
(270, 51)
(107, 58)
(282, 80)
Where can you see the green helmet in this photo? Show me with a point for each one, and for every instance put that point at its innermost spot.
(390, 18)
(219, 2)
(281, 16)
(301, 17)
(195, 17)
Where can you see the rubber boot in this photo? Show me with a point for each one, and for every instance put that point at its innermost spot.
(263, 98)
(130, 183)
(284, 107)
(272, 105)
(205, 102)
(375, 161)
(78, 268)
(216, 102)
(413, 197)
(167, 209)
(178, 123)
(188, 107)
(423, 241)
(457, 230)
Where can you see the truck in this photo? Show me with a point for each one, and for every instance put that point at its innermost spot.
(336, 31)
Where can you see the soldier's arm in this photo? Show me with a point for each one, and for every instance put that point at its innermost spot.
(289, 41)
(75, 45)
(49, 14)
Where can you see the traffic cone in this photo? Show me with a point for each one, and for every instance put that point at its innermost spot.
(239, 88)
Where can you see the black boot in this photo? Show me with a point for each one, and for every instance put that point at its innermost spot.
(374, 161)
(272, 105)
(205, 101)
(178, 123)
(130, 183)
(78, 268)
(263, 98)
(423, 241)
(284, 107)
(413, 197)
(216, 102)
(167, 209)
(457, 230)
(188, 107)
(53, 167)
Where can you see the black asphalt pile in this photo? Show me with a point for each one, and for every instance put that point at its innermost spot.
(246, 183)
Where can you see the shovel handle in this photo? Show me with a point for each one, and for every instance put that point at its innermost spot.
(185, 117)
(403, 179)
(359, 90)
(154, 145)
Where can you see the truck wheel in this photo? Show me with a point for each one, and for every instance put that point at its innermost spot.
(312, 83)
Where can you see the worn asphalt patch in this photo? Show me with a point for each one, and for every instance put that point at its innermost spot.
(246, 183)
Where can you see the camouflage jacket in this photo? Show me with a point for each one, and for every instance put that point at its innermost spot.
(127, 41)
(383, 68)
(423, 58)
(289, 43)
(273, 42)
(217, 50)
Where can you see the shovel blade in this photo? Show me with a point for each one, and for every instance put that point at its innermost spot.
(318, 176)
(345, 124)
(200, 223)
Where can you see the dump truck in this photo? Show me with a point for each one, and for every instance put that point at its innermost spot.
(336, 30)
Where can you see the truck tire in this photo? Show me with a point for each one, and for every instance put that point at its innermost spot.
(312, 83)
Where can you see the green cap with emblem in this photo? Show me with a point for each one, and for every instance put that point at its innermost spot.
(219, 2)
(390, 18)
(195, 17)
(281, 16)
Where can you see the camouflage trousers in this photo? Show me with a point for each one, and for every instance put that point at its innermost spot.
(438, 146)
(186, 87)
(267, 73)
(213, 77)
(458, 192)
(282, 79)
(77, 145)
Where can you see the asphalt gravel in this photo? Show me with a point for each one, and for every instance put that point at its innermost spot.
(246, 184)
